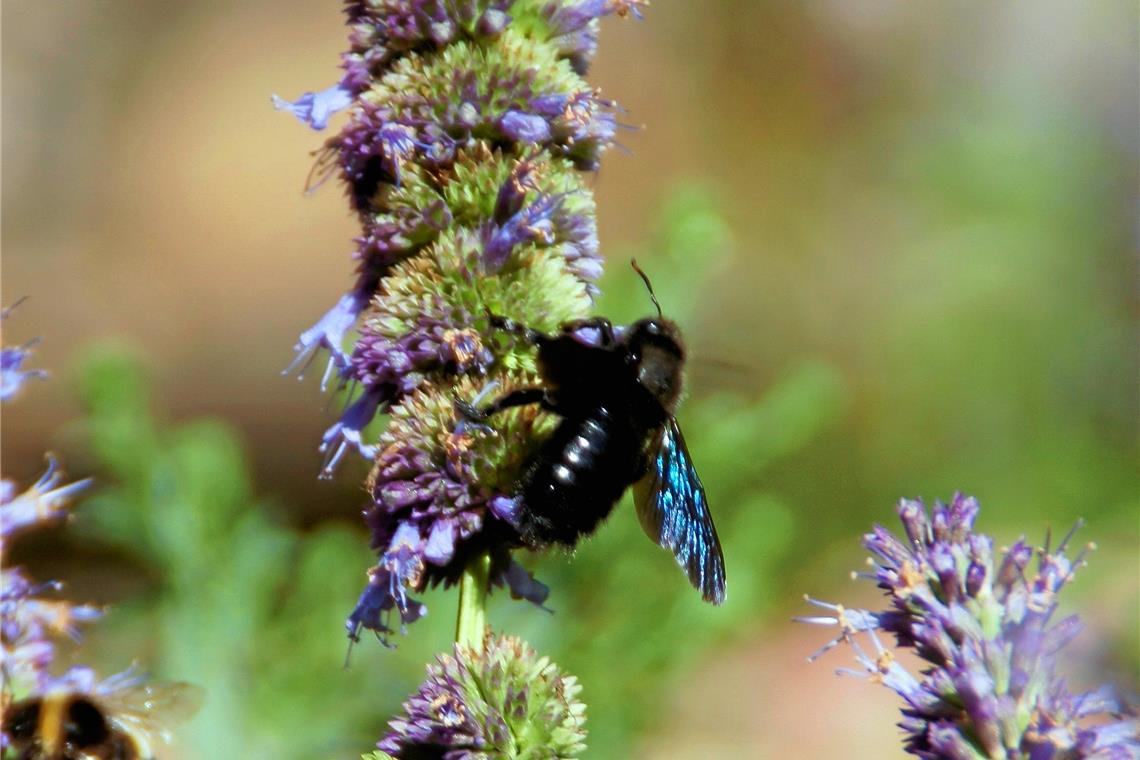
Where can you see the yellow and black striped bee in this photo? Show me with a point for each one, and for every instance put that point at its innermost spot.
(118, 719)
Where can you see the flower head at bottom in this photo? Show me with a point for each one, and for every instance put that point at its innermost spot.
(504, 701)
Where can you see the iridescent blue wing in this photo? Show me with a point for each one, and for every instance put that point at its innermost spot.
(673, 512)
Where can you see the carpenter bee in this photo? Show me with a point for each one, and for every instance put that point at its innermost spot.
(120, 719)
(616, 389)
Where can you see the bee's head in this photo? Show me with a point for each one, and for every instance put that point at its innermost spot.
(655, 350)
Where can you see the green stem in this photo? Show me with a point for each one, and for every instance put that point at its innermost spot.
(472, 618)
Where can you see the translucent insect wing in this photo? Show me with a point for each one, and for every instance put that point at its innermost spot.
(148, 712)
(673, 511)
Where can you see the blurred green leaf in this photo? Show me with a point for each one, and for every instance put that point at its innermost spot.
(245, 606)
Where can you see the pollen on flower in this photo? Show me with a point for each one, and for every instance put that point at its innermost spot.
(910, 577)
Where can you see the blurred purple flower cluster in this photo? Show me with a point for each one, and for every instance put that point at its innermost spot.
(30, 621)
(32, 617)
(985, 625)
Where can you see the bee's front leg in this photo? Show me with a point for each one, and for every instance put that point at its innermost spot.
(517, 397)
(506, 324)
(578, 328)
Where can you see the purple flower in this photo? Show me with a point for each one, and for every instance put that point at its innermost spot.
(524, 127)
(400, 567)
(432, 512)
(329, 333)
(502, 701)
(568, 17)
(348, 432)
(12, 374)
(531, 224)
(383, 30)
(397, 367)
(46, 501)
(315, 108)
(986, 629)
(469, 129)
(397, 235)
(574, 26)
(500, 94)
(29, 622)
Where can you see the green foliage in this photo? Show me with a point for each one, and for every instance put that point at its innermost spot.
(244, 606)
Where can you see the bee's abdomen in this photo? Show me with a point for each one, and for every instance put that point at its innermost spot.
(578, 476)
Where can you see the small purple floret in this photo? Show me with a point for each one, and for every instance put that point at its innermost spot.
(347, 433)
(329, 333)
(524, 128)
(12, 374)
(44, 502)
(523, 585)
(315, 108)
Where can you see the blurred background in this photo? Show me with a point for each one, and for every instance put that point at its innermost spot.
(902, 241)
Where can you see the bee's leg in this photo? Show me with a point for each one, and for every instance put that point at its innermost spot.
(517, 397)
(604, 328)
(506, 324)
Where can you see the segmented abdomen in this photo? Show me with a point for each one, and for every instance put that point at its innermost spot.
(577, 477)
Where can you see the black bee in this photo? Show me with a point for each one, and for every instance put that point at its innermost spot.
(123, 723)
(616, 390)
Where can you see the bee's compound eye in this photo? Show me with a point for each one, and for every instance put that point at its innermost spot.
(652, 327)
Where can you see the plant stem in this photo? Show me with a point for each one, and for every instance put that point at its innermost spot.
(472, 618)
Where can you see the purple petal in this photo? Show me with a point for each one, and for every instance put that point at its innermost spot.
(492, 22)
(569, 17)
(41, 503)
(315, 108)
(348, 432)
(524, 128)
(947, 741)
(12, 378)
(440, 546)
(506, 509)
(523, 585)
(328, 333)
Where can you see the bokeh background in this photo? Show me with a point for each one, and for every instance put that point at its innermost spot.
(902, 240)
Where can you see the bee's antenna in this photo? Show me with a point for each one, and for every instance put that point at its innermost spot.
(648, 285)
